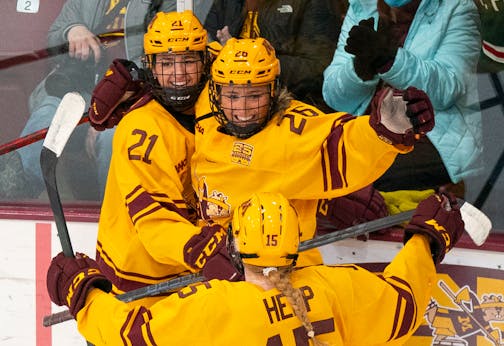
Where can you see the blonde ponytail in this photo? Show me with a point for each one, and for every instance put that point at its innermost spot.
(280, 278)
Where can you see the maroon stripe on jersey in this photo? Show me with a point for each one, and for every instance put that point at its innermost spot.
(145, 199)
(142, 201)
(344, 164)
(324, 175)
(135, 334)
(148, 328)
(148, 212)
(402, 324)
(274, 340)
(184, 212)
(121, 283)
(128, 196)
(338, 178)
(125, 326)
(333, 153)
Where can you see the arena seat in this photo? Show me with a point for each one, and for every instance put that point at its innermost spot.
(24, 29)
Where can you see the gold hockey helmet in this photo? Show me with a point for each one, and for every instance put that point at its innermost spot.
(265, 231)
(175, 32)
(245, 63)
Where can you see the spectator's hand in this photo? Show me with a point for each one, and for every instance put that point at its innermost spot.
(81, 42)
(439, 218)
(374, 52)
(70, 278)
(223, 35)
(122, 82)
(363, 69)
(401, 117)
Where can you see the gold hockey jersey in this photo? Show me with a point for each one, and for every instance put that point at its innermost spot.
(146, 212)
(346, 304)
(306, 155)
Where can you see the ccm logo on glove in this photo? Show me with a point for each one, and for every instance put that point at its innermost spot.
(204, 245)
(442, 232)
(78, 280)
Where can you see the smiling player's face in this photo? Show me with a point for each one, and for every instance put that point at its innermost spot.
(244, 105)
(178, 71)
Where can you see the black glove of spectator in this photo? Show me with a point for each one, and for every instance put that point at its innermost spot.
(374, 50)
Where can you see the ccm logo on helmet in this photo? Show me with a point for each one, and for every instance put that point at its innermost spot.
(178, 39)
(240, 72)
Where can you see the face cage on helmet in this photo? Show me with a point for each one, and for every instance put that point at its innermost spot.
(231, 128)
(178, 99)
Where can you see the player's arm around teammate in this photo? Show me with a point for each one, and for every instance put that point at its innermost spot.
(276, 304)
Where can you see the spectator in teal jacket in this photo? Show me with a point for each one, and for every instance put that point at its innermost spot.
(433, 45)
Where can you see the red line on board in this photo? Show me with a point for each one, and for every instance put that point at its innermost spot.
(42, 300)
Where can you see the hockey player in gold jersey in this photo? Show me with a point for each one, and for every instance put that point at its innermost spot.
(148, 213)
(277, 304)
(251, 136)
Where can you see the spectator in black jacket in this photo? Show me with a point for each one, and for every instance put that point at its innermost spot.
(304, 34)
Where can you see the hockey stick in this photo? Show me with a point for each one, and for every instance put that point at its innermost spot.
(65, 120)
(31, 138)
(183, 5)
(478, 227)
(60, 49)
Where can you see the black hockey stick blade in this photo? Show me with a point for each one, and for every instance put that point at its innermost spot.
(65, 120)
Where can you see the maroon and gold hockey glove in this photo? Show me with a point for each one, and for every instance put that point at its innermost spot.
(206, 251)
(120, 87)
(400, 117)
(70, 278)
(220, 267)
(363, 205)
(439, 217)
